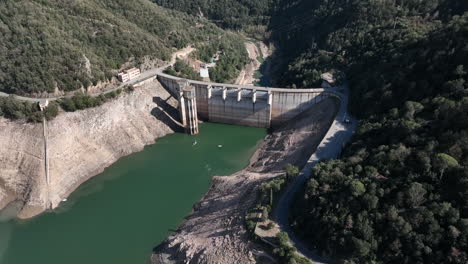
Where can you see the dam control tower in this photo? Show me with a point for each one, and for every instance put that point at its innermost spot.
(188, 107)
(242, 105)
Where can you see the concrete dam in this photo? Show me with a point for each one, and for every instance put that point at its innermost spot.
(239, 104)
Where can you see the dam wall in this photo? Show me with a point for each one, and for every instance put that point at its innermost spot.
(247, 105)
(288, 104)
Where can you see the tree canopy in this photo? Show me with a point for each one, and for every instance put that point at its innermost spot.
(65, 45)
(399, 193)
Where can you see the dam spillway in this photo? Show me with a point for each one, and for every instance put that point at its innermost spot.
(262, 107)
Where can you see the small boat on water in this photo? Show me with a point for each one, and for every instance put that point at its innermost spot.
(220, 146)
(64, 200)
(194, 143)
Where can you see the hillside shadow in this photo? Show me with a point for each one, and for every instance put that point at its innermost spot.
(264, 73)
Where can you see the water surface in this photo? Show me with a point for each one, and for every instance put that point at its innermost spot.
(119, 216)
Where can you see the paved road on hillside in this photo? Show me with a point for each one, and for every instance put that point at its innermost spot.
(330, 148)
(144, 75)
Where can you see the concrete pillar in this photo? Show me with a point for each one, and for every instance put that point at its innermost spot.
(239, 95)
(209, 88)
(191, 117)
(182, 83)
(182, 110)
(224, 93)
(254, 96)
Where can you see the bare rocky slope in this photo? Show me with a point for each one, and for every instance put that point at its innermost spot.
(214, 232)
(80, 145)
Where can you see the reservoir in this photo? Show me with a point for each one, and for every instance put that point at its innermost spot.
(118, 216)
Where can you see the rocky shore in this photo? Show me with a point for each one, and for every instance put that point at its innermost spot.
(80, 145)
(214, 232)
(83, 143)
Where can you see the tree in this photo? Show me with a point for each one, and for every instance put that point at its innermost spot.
(291, 171)
(51, 111)
(357, 188)
(416, 194)
(444, 161)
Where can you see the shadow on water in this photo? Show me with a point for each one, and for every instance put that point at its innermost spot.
(6, 232)
(6, 226)
(89, 187)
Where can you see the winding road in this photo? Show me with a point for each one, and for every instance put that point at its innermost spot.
(143, 76)
(330, 147)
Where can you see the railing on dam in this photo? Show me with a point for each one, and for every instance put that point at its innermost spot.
(247, 105)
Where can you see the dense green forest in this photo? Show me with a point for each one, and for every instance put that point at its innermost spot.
(230, 14)
(48, 44)
(399, 193)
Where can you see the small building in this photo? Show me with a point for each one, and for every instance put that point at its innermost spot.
(43, 105)
(204, 73)
(129, 75)
(329, 80)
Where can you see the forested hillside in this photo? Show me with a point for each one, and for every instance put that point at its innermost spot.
(239, 14)
(399, 194)
(69, 44)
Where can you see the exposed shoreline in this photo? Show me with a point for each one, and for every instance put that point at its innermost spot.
(81, 145)
(214, 232)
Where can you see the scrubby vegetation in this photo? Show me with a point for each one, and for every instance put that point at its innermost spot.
(183, 70)
(267, 196)
(26, 111)
(14, 109)
(232, 57)
(231, 53)
(287, 253)
(82, 101)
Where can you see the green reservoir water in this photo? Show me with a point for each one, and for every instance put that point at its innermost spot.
(119, 216)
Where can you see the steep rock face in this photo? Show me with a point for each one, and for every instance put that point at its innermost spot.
(21, 163)
(80, 145)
